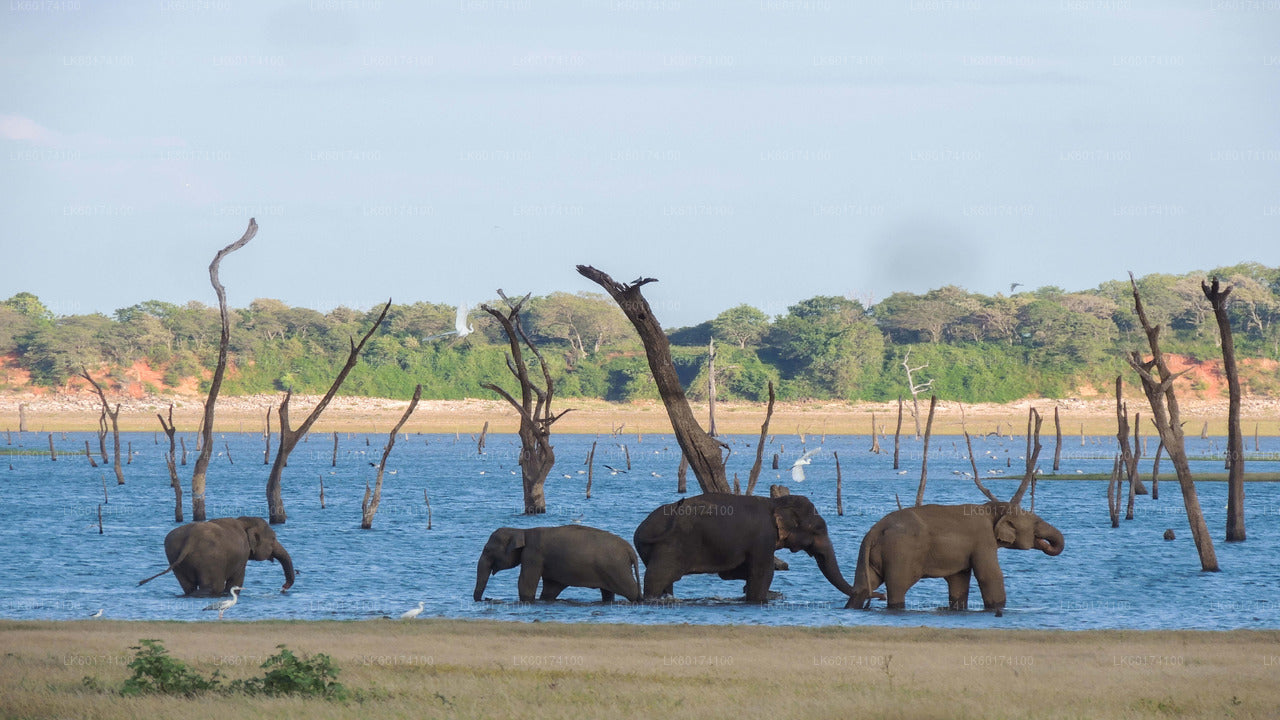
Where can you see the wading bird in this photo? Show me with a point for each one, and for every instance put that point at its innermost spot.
(412, 612)
(224, 605)
(97, 614)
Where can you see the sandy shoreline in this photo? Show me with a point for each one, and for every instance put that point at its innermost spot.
(80, 412)
(447, 668)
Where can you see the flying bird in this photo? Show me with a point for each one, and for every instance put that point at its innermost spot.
(224, 605)
(1014, 286)
(797, 467)
(97, 614)
(460, 326)
(413, 612)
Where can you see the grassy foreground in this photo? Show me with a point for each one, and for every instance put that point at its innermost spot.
(446, 668)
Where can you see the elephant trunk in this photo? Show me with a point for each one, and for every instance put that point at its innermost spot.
(824, 552)
(1049, 540)
(484, 569)
(282, 556)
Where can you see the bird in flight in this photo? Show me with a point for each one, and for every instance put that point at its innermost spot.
(97, 614)
(1014, 286)
(797, 467)
(460, 326)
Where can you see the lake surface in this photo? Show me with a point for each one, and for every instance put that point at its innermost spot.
(57, 566)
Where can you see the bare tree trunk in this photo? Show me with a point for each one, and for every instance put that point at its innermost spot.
(591, 467)
(914, 388)
(266, 439)
(427, 500)
(1155, 472)
(682, 482)
(53, 454)
(22, 419)
(875, 438)
(1113, 493)
(369, 506)
(924, 462)
(700, 449)
(711, 387)
(897, 435)
(1164, 411)
(1235, 440)
(626, 454)
(484, 433)
(764, 433)
(839, 483)
(215, 385)
(537, 456)
(87, 454)
(289, 437)
(334, 462)
(1057, 445)
(171, 461)
(115, 426)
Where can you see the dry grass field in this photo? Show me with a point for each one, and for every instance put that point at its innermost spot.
(458, 669)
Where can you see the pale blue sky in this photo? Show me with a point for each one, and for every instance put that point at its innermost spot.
(759, 152)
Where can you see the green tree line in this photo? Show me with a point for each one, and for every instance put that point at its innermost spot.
(978, 348)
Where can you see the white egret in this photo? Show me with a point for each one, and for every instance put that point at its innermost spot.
(97, 614)
(413, 612)
(797, 467)
(224, 605)
(460, 326)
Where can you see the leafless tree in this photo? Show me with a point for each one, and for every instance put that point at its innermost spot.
(215, 385)
(915, 388)
(537, 456)
(924, 462)
(1157, 384)
(289, 437)
(171, 460)
(764, 433)
(701, 449)
(369, 506)
(1217, 297)
(115, 425)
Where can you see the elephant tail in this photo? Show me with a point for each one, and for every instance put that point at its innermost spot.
(181, 556)
(865, 578)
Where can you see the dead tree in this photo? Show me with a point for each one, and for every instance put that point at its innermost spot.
(369, 505)
(215, 385)
(1157, 384)
(115, 426)
(700, 448)
(1113, 492)
(1057, 445)
(537, 456)
(914, 388)
(764, 433)
(711, 388)
(289, 437)
(682, 474)
(591, 467)
(1235, 440)
(171, 460)
(266, 439)
(875, 438)
(89, 455)
(924, 462)
(897, 434)
(1155, 472)
(1128, 461)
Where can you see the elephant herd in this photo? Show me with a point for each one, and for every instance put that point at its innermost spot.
(734, 536)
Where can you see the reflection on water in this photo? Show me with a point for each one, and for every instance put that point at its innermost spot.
(57, 566)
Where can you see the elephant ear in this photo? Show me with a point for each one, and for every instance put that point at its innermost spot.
(515, 542)
(1005, 532)
(789, 521)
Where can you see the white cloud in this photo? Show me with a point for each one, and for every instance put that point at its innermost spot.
(16, 127)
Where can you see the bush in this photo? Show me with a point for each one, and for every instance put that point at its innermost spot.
(154, 672)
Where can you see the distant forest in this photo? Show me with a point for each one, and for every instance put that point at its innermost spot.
(978, 348)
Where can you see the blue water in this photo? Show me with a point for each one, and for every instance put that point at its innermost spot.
(57, 566)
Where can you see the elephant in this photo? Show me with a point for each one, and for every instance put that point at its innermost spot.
(561, 556)
(947, 541)
(208, 558)
(735, 536)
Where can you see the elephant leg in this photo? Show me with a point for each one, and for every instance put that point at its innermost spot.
(606, 595)
(660, 575)
(551, 589)
(990, 581)
(759, 580)
(896, 584)
(958, 590)
(186, 580)
(530, 574)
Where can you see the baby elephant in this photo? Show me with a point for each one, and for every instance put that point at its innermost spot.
(561, 556)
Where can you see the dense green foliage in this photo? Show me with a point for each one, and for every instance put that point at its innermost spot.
(978, 348)
(156, 673)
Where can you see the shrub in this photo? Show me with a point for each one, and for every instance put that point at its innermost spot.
(154, 672)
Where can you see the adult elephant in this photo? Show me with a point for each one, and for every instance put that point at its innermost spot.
(569, 555)
(955, 542)
(209, 558)
(735, 536)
